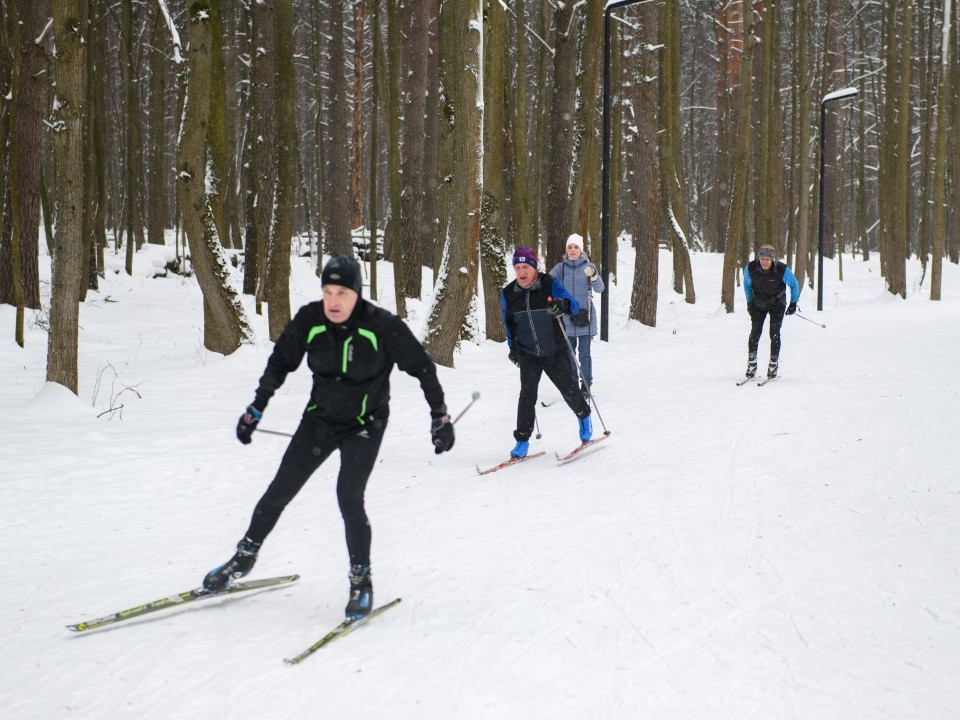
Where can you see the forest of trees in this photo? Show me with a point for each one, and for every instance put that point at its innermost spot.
(251, 130)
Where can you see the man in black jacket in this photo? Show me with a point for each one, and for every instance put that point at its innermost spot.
(765, 283)
(531, 305)
(351, 348)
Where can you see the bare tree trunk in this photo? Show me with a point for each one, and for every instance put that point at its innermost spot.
(520, 189)
(393, 248)
(217, 129)
(158, 140)
(225, 326)
(338, 204)
(736, 239)
(134, 218)
(356, 146)
(458, 272)
(803, 169)
(28, 136)
(278, 261)
(562, 111)
(671, 168)
(264, 147)
(491, 204)
(940, 159)
(70, 75)
(413, 91)
(646, 233)
(376, 71)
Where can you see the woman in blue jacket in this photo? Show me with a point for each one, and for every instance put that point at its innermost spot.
(580, 278)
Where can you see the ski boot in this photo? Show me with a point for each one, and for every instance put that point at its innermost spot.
(586, 428)
(520, 449)
(235, 568)
(752, 365)
(361, 592)
(772, 368)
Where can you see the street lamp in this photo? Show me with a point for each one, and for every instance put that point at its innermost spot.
(828, 98)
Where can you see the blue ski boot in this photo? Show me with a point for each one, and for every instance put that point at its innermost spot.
(520, 449)
(361, 592)
(235, 568)
(586, 428)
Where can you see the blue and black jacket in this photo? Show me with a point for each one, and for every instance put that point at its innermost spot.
(529, 326)
(351, 365)
(768, 289)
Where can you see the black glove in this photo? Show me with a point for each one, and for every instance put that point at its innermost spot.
(751, 308)
(581, 319)
(247, 424)
(515, 356)
(441, 430)
(558, 306)
(791, 308)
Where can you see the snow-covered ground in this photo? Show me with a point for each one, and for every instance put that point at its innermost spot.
(788, 551)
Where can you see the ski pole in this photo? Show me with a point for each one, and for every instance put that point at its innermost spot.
(804, 317)
(437, 442)
(573, 355)
(473, 398)
(274, 432)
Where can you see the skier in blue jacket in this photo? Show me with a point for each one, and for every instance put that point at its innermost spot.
(530, 305)
(765, 283)
(581, 279)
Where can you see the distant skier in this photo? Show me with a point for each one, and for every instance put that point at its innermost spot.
(530, 306)
(765, 284)
(580, 278)
(351, 348)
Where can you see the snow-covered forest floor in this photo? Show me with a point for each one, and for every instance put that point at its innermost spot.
(789, 551)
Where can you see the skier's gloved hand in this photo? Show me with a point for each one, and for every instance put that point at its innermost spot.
(791, 308)
(441, 430)
(247, 424)
(590, 271)
(558, 306)
(751, 308)
(581, 318)
(515, 356)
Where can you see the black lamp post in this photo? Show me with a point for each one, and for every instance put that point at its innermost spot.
(831, 97)
(605, 198)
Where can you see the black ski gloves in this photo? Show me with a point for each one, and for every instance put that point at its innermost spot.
(441, 430)
(751, 308)
(247, 424)
(558, 306)
(515, 356)
(791, 308)
(581, 319)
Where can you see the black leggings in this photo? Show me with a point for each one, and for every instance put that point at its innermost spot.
(310, 446)
(756, 328)
(557, 368)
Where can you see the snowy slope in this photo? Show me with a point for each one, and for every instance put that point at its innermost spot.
(779, 552)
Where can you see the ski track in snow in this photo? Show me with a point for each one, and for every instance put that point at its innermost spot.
(779, 552)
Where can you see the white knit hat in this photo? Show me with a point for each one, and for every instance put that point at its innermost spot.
(575, 240)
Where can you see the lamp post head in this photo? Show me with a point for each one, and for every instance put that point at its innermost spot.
(839, 95)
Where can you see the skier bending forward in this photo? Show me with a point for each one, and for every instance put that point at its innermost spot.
(351, 348)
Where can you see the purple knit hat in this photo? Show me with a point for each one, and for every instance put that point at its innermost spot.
(526, 255)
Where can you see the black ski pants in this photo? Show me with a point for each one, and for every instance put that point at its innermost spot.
(557, 368)
(311, 445)
(757, 318)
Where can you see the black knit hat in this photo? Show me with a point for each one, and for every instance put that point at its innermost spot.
(343, 270)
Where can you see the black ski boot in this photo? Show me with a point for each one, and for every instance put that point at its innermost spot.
(752, 365)
(361, 592)
(235, 568)
(772, 368)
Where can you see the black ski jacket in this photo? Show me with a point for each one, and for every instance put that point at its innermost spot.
(351, 365)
